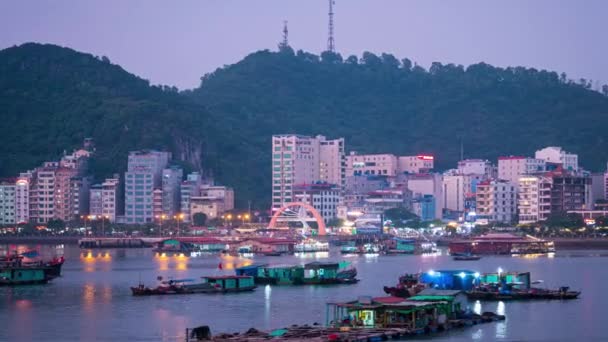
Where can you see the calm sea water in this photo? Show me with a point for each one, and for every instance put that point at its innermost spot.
(92, 300)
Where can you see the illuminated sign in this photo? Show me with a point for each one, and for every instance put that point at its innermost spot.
(426, 157)
(589, 221)
(22, 182)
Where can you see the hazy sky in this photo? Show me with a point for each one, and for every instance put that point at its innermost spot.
(176, 42)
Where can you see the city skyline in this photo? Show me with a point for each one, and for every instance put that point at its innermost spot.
(144, 39)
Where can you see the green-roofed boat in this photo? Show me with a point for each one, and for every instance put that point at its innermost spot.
(212, 284)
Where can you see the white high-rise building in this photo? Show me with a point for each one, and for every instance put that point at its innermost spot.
(299, 160)
(22, 198)
(534, 198)
(7, 201)
(555, 154)
(144, 171)
(512, 167)
(496, 200)
(454, 192)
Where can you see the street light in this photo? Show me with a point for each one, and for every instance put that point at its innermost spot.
(160, 228)
(178, 217)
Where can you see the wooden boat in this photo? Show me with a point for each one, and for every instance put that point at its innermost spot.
(314, 273)
(532, 294)
(466, 257)
(23, 276)
(212, 284)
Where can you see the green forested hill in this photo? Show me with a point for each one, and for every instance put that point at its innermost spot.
(52, 97)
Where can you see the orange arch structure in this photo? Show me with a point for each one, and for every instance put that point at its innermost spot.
(315, 214)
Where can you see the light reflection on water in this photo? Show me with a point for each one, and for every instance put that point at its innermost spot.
(94, 297)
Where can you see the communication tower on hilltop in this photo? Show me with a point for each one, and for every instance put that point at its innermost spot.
(330, 39)
(285, 41)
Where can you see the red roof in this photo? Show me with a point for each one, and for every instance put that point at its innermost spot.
(388, 300)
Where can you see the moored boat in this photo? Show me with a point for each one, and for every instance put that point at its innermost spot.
(314, 273)
(515, 286)
(466, 257)
(23, 276)
(211, 284)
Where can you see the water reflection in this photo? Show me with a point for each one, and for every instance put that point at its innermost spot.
(477, 307)
(501, 326)
(267, 295)
(312, 255)
(477, 334)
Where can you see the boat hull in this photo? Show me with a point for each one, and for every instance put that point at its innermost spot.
(493, 296)
(139, 291)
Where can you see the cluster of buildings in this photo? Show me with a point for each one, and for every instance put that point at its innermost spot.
(518, 189)
(150, 191)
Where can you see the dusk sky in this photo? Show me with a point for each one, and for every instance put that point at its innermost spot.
(176, 42)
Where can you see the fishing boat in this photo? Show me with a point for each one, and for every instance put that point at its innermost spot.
(23, 276)
(466, 257)
(211, 284)
(27, 268)
(314, 273)
(409, 285)
(515, 286)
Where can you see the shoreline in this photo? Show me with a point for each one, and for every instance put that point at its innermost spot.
(560, 243)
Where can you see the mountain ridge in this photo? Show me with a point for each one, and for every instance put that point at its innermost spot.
(51, 97)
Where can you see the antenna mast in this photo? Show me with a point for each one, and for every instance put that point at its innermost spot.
(330, 39)
(285, 34)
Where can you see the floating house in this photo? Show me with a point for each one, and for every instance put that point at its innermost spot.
(389, 312)
(501, 243)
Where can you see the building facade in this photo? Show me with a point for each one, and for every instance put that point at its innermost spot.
(22, 198)
(213, 201)
(424, 207)
(496, 201)
(325, 198)
(415, 164)
(171, 182)
(534, 198)
(189, 188)
(371, 165)
(556, 155)
(298, 159)
(512, 167)
(7, 201)
(475, 167)
(144, 171)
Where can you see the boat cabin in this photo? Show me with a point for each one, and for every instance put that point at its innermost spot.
(280, 275)
(451, 279)
(250, 270)
(520, 281)
(229, 282)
